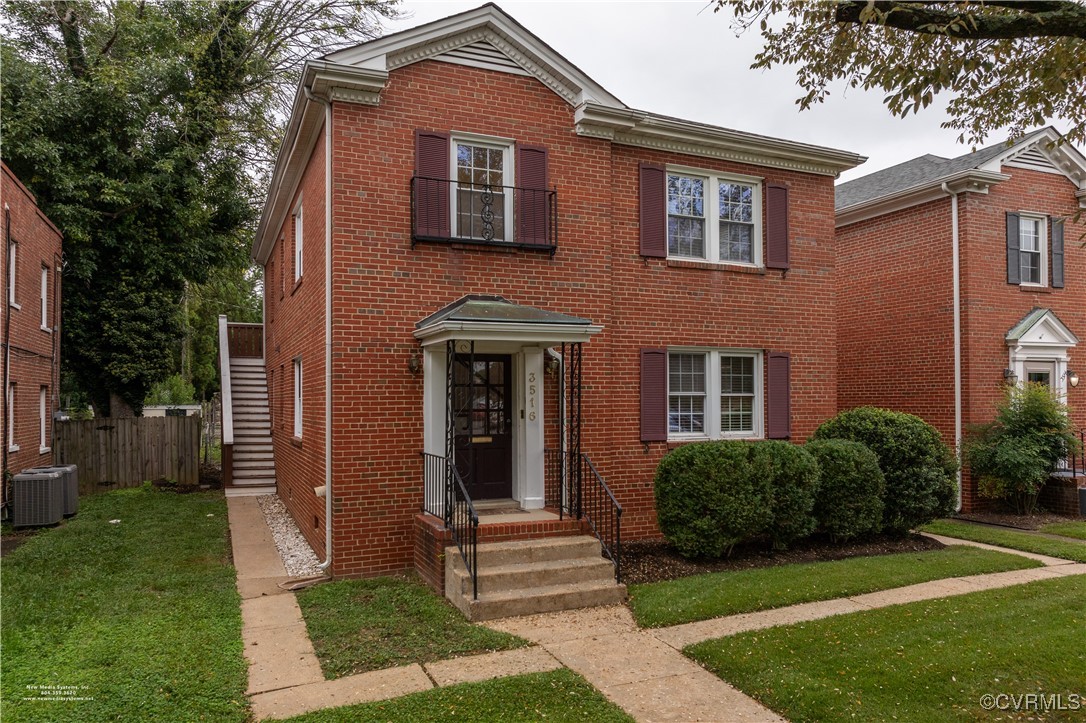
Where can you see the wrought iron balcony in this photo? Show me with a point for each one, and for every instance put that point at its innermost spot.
(450, 211)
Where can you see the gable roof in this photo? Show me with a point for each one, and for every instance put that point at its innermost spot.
(1041, 327)
(497, 310)
(916, 181)
(489, 38)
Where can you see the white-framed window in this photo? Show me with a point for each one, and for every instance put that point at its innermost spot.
(714, 393)
(714, 217)
(482, 206)
(13, 253)
(45, 298)
(298, 238)
(12, 447)
(1033, 249)
(43, 420)
(298, 398)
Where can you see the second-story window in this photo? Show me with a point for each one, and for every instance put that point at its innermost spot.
(1031, 253)
(714, 218)
(298, 237)
(45, 298)
(13, 264)
(481, 204)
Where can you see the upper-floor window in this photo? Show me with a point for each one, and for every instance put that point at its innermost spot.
(45, 298)
(714, 218)
(298, 238)
(298, 398)
(714, 393)
(13, 250)
(1032, 249)
(481, 204)
(1035, 250)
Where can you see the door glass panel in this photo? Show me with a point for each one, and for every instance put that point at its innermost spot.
(1040, 378)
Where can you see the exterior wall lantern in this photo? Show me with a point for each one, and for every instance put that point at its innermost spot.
(1009, 376)
(1072, 378)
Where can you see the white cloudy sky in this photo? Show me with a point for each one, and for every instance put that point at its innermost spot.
(610, 41)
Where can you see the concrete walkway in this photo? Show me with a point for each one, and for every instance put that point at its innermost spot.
(643, 671)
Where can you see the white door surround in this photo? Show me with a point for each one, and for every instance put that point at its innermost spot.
(1041, 344)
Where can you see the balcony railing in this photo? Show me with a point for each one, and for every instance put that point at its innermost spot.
(450, 211)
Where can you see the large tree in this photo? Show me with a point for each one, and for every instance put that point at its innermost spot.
(1005, 63)
(147, 131)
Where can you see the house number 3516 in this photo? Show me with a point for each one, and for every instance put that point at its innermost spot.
(532, 391)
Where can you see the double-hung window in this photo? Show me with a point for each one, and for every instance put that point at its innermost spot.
(298, 238)
(45, 298)
(13, 264)
(1032, 249)
(43, 420)
(483, 199)
(715, 218)
(714, 393)
(298, 398)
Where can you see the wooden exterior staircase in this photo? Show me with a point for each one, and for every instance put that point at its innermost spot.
(248, 461)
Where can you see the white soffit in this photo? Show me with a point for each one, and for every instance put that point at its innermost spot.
(1045, 153)
(1041, 328)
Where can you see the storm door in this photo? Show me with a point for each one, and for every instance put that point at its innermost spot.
(483, 394)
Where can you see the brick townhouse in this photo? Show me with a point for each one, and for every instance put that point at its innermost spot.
(30, 362)
(956, 276)
(482, 267)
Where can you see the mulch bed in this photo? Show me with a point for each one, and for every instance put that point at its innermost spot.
(654, 561)
(1022, 522)
(211, 475)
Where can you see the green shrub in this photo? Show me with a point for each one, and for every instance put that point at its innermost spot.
(1013, 457)
(794, 481)
(849, 500)
(918, 468)
(709, 497)
(170, 391)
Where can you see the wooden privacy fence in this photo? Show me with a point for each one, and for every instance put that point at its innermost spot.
(113, 453)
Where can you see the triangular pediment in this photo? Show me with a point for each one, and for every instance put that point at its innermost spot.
(485, 38)
(1043, 151)
(1041, 327)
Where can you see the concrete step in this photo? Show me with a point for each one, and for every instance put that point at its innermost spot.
(545, 599)
(255, 490)
(246, 361)
(254, 476)
(536, 574)
(496, 554)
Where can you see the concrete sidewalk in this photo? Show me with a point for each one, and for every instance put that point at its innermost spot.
(643, 671)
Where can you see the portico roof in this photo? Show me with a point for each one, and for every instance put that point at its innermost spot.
(494, 318)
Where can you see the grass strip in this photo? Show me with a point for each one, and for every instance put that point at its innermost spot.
(1066, 529)
(362, 625)
(701, 597)
(935, 660)
(1068, 550)
(127, 611)
(560, 695)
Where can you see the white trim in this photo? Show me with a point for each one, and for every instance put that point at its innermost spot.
(45, 298)
(711, 201)
(297, 364)
(972, 181)
(541, 334)
(1042, 242)
(298, 222)
(508, 148)
(713, 393)
(11, 392)
(43, 415)
(13, 252)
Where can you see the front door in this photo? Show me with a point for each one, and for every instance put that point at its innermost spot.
(1041, 373)
(483, 408)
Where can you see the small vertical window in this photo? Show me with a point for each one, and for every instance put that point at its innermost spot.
(13, 251)
(298, 236)
(737, 394)
(43, 419)
(11, 418)
(45, 298)
(1031, 252)
(282, 268)
(736, 222)
(298, 398)
(686, 393)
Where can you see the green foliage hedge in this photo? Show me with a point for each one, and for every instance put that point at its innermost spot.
(794, 481)
(918, 467)
(849, 500)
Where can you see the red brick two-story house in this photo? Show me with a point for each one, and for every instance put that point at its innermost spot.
(480, 263)
(29, 328)
(956, 276)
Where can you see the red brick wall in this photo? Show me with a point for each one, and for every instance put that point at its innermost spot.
(35, 353)
(382, 287)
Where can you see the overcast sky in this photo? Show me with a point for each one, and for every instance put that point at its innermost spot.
(623, 47)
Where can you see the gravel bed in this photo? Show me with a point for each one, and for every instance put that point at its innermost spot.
(298, 556)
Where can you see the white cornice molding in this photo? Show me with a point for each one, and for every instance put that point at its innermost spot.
(528, 333)
(971, 181)
(640, 128)
(1064, 157)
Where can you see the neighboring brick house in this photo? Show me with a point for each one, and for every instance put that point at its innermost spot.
(30, 328)
(912, 339)
(587, 277)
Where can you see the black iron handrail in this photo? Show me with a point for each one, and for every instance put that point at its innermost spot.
(527, 220)
(433, 483)
(1077, 458)
(463, 522)
(574, 487)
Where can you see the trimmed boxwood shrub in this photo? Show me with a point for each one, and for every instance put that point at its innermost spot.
(918, 468)
(709, 497)
(849, 500)
(794, 481)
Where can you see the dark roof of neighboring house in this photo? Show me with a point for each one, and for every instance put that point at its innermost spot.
(919, 171)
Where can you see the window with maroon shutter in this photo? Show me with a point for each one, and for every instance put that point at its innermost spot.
(431, 184)
(532, 195)
(776, 227)
(653, 395)
(779, 395)
(653, 218)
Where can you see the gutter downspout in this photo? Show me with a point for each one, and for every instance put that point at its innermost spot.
(326, 566)
(955, 240)
(4, 423)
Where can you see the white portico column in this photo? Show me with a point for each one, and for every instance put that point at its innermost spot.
(529, 481)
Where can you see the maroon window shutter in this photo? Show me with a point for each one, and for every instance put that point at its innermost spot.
(532, 195)
(779, 406)
(776, 227)
(654, 395)
(431, 184)
(653, 210)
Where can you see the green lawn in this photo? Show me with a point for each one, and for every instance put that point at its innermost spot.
(712, 595)
(1066, 529)
(927, 661)
(1068, 550)
(560, 695)
(360, 625)
(140, 618)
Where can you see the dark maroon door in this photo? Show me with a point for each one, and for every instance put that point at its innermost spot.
(483, 408)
